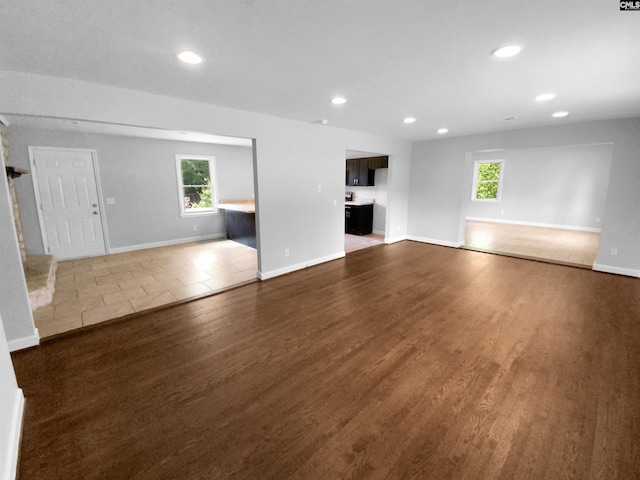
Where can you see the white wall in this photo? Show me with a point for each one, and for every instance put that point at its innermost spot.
(14, 299)
(292, 159)
(440, 183)
(11, 408)
(140, 174)
(564, 186)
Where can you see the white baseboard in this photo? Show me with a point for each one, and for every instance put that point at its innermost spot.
(299, 266)
(535, 224)
(435, 241)
(24, 342)
(389, 241)
(10, 470)
(598, 267)
(167, 243)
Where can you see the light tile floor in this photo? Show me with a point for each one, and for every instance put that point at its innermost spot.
(553, 244)
(97, 289)
(358, 242)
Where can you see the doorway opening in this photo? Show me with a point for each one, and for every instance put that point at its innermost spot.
(366, 180)
(544, 203)
(153, 254)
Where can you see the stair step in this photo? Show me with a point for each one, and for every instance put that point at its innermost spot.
(40, 272)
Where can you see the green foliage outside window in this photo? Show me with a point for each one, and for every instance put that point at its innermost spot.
(197, 185)
(488, 180)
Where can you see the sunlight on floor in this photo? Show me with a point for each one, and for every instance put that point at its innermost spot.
(554, 244)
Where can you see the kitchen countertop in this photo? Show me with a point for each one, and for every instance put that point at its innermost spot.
(364, 201)
(246, 206)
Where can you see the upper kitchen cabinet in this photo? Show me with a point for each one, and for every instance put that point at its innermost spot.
(361, 171)
(358, 173)
(378, 162)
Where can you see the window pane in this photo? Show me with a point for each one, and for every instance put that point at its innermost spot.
(487, 190)
(197, 198)
(195, 172)
(489, 171)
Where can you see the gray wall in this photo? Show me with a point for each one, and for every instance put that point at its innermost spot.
(441, 181)
(140, 173)
(563, 186)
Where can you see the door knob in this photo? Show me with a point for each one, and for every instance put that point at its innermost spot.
(95, 213)
(94, 205)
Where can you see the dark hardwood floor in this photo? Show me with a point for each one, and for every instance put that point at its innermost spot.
(397, 362)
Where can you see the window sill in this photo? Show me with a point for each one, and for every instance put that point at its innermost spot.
(200, 214)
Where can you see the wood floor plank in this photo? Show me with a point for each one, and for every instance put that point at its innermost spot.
(397, 362)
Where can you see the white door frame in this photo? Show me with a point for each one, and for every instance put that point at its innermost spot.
(36, 191)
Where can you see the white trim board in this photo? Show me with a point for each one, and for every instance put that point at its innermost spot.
(534, 224)
(598, 267)
(435, 241)
(299, 266)
(10, 469)
(389, 241)
(24, 342)
(166, 243)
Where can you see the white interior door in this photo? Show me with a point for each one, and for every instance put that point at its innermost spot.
(67, 193)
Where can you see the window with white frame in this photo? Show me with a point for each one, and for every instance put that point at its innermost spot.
(487, 180)
(197, 185)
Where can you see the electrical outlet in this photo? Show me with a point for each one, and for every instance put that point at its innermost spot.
(598, 220)
(319, 188)
(614, 252)
(335, 202)
(286, 252)
(111, 201)
(195, 227)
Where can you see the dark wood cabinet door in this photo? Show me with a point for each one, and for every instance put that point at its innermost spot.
(378, 162)
(353, 172)
(360, 172)
(359, 219)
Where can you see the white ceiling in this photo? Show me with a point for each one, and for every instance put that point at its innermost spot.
(391, 58)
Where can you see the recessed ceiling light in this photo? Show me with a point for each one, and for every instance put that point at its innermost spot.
(543, 97)
(507, 51)
(560, 114)
(409, 120)
(338, 100)
(442, 130)
(324, 121)
(190, 57)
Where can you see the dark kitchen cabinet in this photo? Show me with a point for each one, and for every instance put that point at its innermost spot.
(358, 219)
(378, 162)
(361, 171)
(359, 174)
